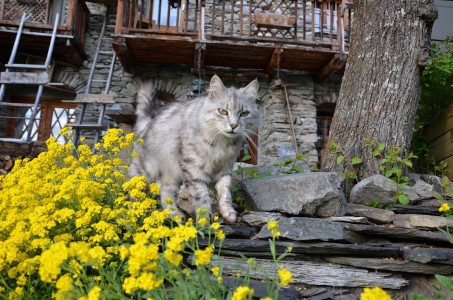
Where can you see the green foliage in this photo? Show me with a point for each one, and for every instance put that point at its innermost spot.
(392, 165)
(289, 166)
(351, 173)
(437, 82)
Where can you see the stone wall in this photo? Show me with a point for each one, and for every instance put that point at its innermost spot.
(275, 138)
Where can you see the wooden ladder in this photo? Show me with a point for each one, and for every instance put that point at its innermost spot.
(26, 77)
(100, 100)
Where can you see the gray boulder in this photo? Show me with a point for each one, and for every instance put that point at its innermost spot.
(310, 194)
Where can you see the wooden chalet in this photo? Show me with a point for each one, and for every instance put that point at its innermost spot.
(261, 35)
(35, 40)
(51, 32)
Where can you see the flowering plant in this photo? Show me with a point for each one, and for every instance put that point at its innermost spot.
(73, 226)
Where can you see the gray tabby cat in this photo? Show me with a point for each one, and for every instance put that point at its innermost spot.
(195, 143)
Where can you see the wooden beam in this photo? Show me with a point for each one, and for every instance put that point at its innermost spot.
(198, 58)
(121, 49)
(24, 77)
(273, 62)
(336, 63)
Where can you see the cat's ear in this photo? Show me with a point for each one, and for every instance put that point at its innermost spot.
(251, 90)
(216, 87)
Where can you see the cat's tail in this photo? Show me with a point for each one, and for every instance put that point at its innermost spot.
(148, 106)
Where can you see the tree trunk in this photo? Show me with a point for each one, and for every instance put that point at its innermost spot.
(380, 91)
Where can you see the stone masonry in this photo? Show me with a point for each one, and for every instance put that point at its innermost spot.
(274, 133)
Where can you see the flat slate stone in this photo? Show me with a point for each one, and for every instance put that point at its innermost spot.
(309, 229)
(422, 221)
(318, 274)
(399, 233)
(416, 209)
(392, 265)
(255, 218)
(309, 194)
(311, 248)
(375, 215)
(429, 255)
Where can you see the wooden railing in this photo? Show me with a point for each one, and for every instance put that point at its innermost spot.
(41, 17)
(158, 16)
(319, 23)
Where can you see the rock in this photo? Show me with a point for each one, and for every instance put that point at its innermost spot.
(422, 188)
(312, 194)
(346, 219)
(433, 180)
(409, 234)
(429, 255)
(255, 218)
(424, 208)
(258, 247)
(375, 215)
(374, 188)
(315, 273)
(422, 221)
(392, 265)
(309, 229)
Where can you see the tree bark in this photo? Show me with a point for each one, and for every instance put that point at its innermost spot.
(380, 91)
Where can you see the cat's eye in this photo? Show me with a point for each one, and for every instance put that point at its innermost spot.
(223, 112)
(244, 114)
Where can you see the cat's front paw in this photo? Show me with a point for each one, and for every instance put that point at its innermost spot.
(229, 214)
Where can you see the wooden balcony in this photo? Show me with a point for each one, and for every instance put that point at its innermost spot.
(38, 28)
(260, 35)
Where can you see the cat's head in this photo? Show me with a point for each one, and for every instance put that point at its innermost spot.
(233, 112)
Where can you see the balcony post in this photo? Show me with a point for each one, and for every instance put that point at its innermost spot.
(119, 17)
(72, 7)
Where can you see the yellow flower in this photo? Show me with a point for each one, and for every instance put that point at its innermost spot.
(215, 225)
(173, 257)
(220, 235)
(203, 222)
(203, 257)
(374, 293)
(64, 283)
(94, 293)
(219, 280)
(445, 207)
(285, 276)
(215, 271)
(242, 293)
(154, 189)
(267, 298)
(272, 225)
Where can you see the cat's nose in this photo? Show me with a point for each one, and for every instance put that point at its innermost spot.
(233, 125)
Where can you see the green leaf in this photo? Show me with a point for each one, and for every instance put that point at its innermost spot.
(298, 168)
(246, 157)
(340, 159)
(356, 161)
(381, 147)
(402, 198)
(300, 156)
(438, 196)
(445, 281)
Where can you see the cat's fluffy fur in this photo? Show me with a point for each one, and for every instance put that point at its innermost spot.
(195, 143)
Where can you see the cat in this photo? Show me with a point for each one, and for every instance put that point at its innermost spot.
(194, 143)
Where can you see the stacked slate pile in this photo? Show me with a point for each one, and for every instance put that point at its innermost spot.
(341, 245)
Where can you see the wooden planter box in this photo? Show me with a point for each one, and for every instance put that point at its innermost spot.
(439, 135)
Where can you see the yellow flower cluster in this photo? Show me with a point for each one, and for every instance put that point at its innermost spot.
(71, 220)
(374, 293)
(444, 208)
